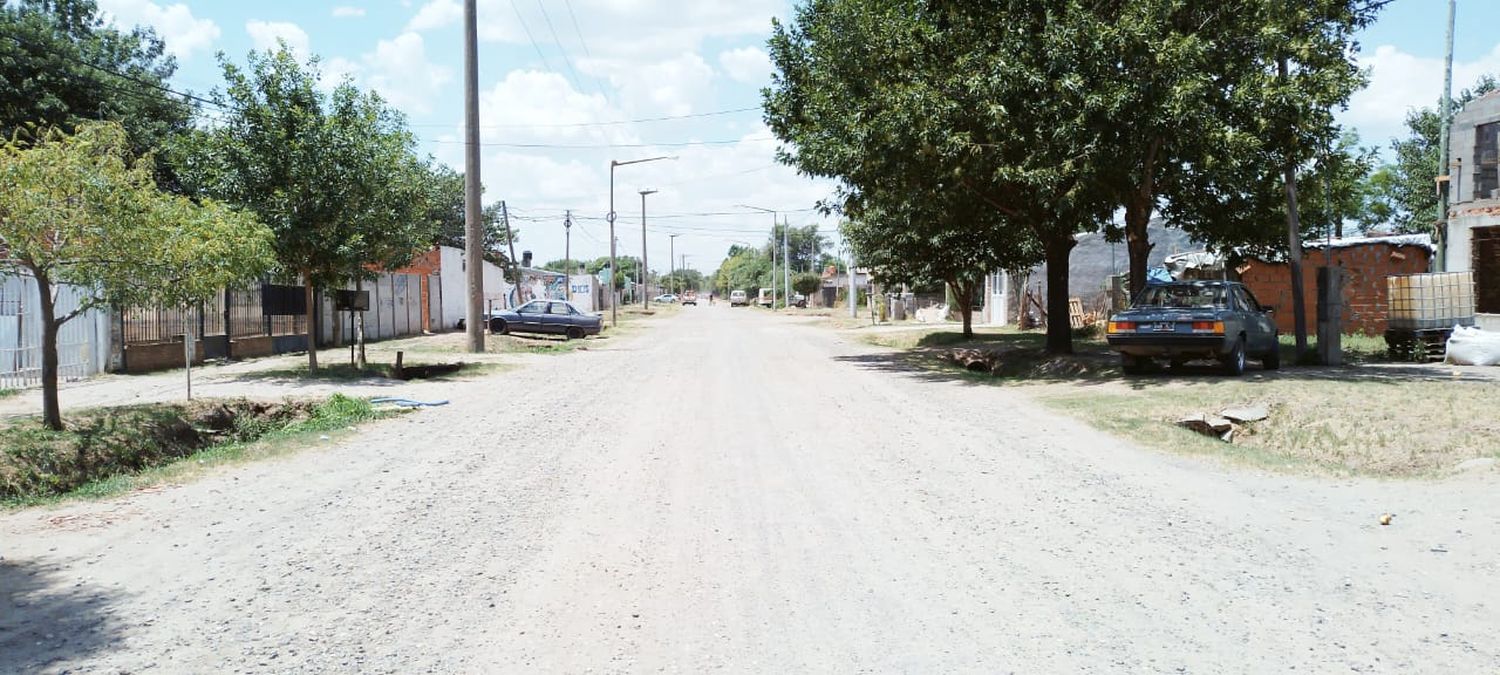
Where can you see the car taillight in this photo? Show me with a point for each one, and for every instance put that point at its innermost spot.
(1122, 326)
(1208, 327)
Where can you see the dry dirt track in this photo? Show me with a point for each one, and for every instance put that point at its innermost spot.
(735, 491)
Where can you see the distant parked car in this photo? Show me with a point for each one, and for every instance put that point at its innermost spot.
(1186, 320)
(665, 298)
(766, 298)
(738, 299)
(799, 300)
(556, 317)
(690, 298)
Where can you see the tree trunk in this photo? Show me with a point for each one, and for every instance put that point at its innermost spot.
(963, 294)
(51, 410)
(1138, 242)
(312, 324)
(359, 329)
(1138, 209)
(1294, 259)
(1059, 329)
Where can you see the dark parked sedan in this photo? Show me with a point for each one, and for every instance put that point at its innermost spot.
(1186, 320)
(557, 317)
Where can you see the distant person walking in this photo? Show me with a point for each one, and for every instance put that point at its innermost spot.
(710, 299)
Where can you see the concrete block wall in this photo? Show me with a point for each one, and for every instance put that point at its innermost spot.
(1365, 303)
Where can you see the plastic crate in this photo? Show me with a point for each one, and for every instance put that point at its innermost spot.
(1430, 301)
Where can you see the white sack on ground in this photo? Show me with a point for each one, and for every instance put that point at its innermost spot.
(1473, 347)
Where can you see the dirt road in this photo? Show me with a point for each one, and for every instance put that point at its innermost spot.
(735, 491)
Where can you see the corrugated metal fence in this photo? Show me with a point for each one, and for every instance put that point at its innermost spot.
(82, 343)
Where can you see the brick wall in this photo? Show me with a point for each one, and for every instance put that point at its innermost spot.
(157, 356)
(1367, 267)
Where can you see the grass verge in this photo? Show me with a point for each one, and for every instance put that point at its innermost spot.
(1351, 426)
(343, 372)
(1371, 421)
(108, 451)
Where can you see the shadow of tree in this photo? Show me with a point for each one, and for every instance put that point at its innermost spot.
(47, 619)
(1020, 359)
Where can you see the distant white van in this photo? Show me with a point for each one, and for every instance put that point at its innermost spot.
(738, 298)
(767, 297)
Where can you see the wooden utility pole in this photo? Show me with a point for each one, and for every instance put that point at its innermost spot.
(1294, 241)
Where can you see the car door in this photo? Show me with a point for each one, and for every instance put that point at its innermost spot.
(531, 315)
(558, 318)
(1259, 327)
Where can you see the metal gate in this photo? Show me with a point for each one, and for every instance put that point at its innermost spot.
(81, 342)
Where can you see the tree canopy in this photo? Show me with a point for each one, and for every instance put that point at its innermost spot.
(82, 210)
(62, 65)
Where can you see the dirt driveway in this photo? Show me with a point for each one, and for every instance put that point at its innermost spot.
(732, 490)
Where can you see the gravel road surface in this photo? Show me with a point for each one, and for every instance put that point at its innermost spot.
(737, 491)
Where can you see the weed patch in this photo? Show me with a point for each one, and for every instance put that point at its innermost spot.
(102, 450)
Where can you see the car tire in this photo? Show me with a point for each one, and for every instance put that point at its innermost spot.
(1133, 365)
(1272, 359)
(499, 327)
(1234, 361)
(573, 333)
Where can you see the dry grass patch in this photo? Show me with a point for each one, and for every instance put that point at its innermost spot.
(1352, 426)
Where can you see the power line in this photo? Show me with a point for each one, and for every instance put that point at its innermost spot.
(534, 44)
(584, 43)
(566, 61)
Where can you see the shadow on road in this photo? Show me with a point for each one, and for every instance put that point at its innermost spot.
(1015, 362)
(46, 618)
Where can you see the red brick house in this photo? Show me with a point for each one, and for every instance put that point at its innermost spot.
(1367, 262)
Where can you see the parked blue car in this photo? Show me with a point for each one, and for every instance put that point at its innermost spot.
(1186, 320)
(555, 317)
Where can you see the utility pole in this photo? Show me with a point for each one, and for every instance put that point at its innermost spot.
(853, 311)
(1446, 115)
(773, 247)
(786, 262)
(672, 261)
(568, 254)
(473, 214)
(645, 270)
(515, 263)
(614, 274)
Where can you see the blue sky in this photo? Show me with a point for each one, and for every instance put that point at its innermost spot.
(566, 73)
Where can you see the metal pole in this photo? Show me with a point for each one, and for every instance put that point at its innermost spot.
(645, 271)
(568, 255)
(786, 262)
(853, 311)
(473, 227)
(672, 261)
(614, 272)
(1446, 120)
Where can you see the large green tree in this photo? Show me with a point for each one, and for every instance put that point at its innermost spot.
(975, 107)
(332, 173)
(82, 210)
(61, 64)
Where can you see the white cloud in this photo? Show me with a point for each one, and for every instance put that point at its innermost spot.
(436, 14)
(400, 71)
(264, 35)
(672, 86)
(183, 33)
(348, 12)
(1399, 82)
(749, 65)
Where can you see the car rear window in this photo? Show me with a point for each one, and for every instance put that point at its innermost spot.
(1183, 297)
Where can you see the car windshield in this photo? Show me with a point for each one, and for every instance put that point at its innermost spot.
(1183, 296)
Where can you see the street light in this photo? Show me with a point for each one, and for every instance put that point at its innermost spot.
(645, 290)
(614, 273)
(773, 247)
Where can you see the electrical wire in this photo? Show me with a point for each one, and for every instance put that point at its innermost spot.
(566, 61)
(575, 125)
(603, 146)
(534, 44)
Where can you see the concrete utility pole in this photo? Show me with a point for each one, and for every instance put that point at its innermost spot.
(1446, 119)
(645, 271)
(853, 311)
(786, 262)
(568, 254)
(672, 261)
(473, 213)
(614, 274)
